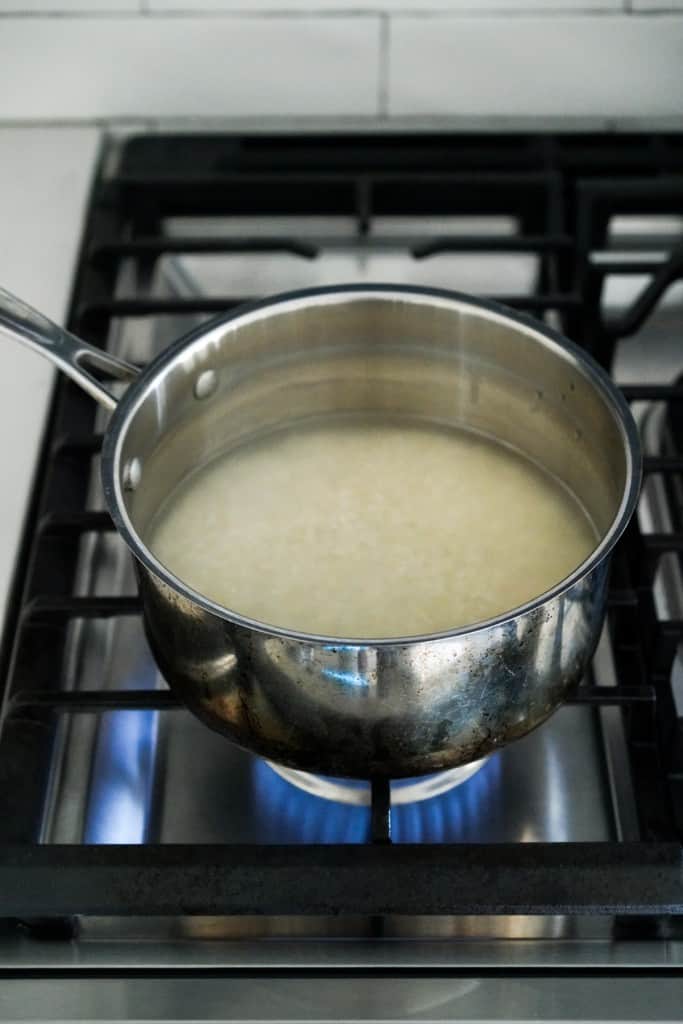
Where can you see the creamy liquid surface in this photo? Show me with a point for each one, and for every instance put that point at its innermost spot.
(371, 529)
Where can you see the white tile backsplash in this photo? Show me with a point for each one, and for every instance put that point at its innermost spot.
(598, 61)
(176, 66)
(565, 66)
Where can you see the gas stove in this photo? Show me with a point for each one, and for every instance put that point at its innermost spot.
(135, 844)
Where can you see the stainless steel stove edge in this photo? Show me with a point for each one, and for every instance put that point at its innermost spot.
(462, 995)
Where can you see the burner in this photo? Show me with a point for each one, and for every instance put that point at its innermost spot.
(330, 811)
(357, 792)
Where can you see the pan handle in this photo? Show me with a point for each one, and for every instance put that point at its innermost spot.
(80, 361)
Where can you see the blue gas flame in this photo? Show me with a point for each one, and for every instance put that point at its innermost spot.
(123, 771)
(295, 816)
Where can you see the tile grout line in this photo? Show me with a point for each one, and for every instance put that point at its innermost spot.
(372, 10)
(193, 123)
(200, 14)
(383, 70)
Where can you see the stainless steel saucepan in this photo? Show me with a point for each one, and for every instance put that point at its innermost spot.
(418, 703)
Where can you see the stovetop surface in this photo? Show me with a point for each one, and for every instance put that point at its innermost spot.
(93, 753)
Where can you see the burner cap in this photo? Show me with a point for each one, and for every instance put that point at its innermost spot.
(357, 792)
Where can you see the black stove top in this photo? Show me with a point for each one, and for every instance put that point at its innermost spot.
(578, 214)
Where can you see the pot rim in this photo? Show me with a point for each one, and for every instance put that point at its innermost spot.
(330, 294)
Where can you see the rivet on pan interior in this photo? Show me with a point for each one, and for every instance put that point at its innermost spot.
(132, 474)
(205, 384)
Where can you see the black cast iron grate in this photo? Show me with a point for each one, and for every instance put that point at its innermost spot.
(562, 191)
